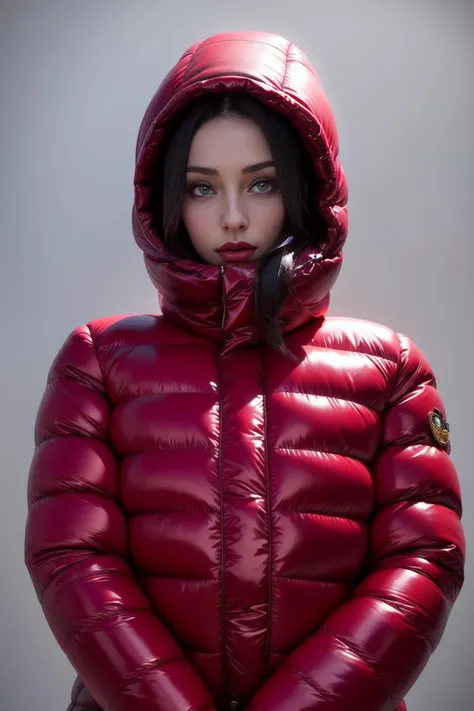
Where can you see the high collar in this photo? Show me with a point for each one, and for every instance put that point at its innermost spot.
(218, 302)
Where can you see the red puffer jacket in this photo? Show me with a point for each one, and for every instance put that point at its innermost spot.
(213, 526)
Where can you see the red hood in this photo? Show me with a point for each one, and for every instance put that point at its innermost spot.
(273, 70)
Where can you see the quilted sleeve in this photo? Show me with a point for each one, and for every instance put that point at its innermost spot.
(76, 551)
(368, 653)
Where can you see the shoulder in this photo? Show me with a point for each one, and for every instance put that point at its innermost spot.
(129, 330)
(372, 339)
(409, 366)
(107, 338)
(122, 328)
(83, 345)
(359, 336)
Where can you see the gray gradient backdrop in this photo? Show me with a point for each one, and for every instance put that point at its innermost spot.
(76, 78)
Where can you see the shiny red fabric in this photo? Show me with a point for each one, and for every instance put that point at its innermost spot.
(214, 526)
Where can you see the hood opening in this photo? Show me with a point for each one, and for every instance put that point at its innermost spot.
(298, 181)
(158, 124)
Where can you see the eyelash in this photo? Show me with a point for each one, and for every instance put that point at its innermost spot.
(269, 181)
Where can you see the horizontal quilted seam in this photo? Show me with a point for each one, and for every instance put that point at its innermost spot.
(182, 578)
(312, 581)
(321, 514)
(145, 669)
(322, 693)
(331, 398)
(363, 655)
(88, 625)
(323, 450)
(402, 609)
(86, 576)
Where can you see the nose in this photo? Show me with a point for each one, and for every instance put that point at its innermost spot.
(234, 218)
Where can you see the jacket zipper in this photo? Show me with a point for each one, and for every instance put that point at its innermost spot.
(224, 301)
(228, 701)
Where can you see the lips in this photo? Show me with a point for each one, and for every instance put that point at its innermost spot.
(236, 252)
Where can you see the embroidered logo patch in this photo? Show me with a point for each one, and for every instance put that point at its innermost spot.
(439, 427)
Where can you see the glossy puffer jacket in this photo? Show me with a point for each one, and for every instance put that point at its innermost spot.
(212, 525)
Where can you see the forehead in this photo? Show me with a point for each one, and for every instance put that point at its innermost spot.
(225, 140)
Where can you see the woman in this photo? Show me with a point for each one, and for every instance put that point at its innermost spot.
(242, 503)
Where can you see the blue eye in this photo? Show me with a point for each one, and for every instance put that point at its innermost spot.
(200, 189)
(264, 186)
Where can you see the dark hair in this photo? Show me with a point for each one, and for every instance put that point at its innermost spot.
(296, 181)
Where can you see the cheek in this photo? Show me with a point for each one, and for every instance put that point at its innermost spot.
(199, 221)
(196, 220)
(189, 218)
(279, 213)
(271, 217)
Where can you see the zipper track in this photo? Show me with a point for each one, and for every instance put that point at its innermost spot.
(224, 302)
(269, 505)
(225, 688)
(225, 691)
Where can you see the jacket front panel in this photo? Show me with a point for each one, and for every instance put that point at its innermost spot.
(301, 519)
(246, 485)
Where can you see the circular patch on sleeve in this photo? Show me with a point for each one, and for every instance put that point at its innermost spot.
(439, 427)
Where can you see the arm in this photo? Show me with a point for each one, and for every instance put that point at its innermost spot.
(369, 652)
(76, 551)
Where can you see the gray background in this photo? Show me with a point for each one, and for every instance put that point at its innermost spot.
(76, 78)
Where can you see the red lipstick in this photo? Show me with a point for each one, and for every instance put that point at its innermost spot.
(236, 252)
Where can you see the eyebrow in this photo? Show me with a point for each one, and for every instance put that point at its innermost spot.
(248, 169)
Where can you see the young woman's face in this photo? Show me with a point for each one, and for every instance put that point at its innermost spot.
(233, 210)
